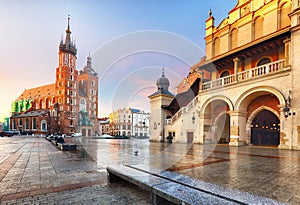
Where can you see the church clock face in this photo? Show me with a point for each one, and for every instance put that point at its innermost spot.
(82, 105)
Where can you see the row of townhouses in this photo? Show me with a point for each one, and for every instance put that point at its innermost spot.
(126, 122)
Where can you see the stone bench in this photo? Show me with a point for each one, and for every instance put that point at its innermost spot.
(66, 147)
(172, 188)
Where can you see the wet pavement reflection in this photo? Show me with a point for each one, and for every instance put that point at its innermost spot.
(263, 171)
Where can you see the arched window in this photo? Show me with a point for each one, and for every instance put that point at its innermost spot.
(44, 125)
(258, 27)
(224, 74)
(217, 46)
(285, 21)
(263, 61)
(234, 38)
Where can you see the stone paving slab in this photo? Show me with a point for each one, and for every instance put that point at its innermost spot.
(33, 171)
(33, 164)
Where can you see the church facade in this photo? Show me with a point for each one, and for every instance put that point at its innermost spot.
(67, 106)
(245, 91)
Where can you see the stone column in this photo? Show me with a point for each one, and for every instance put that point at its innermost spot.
(287, 46)
(204, 129)
(236, 67)
(237, 128)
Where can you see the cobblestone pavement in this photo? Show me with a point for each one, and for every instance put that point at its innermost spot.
(33, 171)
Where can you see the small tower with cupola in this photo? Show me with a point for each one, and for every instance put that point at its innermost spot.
(66, 77)
(162, 97)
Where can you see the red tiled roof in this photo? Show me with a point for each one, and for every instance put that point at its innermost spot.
(38, 92)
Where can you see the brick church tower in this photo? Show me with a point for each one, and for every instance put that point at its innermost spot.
(65, 84)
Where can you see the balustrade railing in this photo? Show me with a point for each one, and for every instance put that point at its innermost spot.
(252, 73)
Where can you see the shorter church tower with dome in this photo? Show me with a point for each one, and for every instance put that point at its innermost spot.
(158, 100)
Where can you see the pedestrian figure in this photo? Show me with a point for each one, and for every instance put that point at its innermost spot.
(169, 138)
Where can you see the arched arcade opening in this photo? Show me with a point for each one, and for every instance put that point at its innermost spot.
(265, 129)
(216, 124)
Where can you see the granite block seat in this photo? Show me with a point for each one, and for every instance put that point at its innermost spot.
(171, 188)
(162, 190)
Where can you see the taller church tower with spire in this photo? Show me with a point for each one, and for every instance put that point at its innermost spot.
(66, 78)
(68, 105)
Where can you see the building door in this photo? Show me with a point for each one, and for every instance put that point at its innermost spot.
(190, 137)
(265, 129)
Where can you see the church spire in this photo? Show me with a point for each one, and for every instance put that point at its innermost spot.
(68, 46)
(68, 33)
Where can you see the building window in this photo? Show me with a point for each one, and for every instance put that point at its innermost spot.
(234, 38)
(224, 74)
(258, 27)
(284, 15)
(44, 125)
(14, 124)
(217, 46)
(93, 83)
(71, 77)
(27, 124)
(34, 123)
(263, 61)
(20, 121)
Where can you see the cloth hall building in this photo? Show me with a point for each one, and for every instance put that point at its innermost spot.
(246, 89)
(67, 106)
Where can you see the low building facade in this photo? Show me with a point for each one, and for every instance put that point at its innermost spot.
(129, 122)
